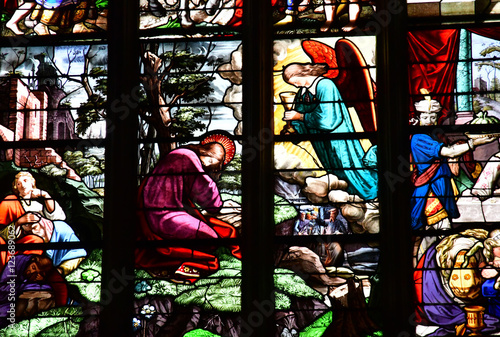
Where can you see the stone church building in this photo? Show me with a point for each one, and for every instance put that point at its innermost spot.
(34, 114)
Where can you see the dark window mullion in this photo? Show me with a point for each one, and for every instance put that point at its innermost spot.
(257, 177)
(394, 183)
(121, 171)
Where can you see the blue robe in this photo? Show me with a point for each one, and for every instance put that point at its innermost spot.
(325, 113)
(425, 151)
(51, 4)
(64, 233)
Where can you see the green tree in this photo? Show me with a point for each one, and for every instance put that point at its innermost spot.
(490, 65)
(84, 166)
(93, 110)
(174, 85)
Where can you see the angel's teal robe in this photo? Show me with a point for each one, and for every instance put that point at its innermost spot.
(325, 113)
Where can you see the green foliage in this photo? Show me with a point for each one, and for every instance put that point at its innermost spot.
(102, 82)
(67, 327)
(191, 86)
(185, 121)
(222, 296)
(90, 112)
(54, 171)
(101, 4)
(84, 166)
(171, 23)
(318, 327)
(483, 118)
(290, 283)
(231, 177)
(90, 275)
(183, 60)
(87, 277)
(222, 290)
(281, 301)
(183, 78)
(200, 333)
(93, 110)
(62, 317)
(283, 210)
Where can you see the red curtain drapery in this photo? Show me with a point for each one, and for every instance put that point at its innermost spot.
(492, 33)
(433, 56)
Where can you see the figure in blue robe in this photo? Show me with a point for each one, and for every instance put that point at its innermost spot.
(325, 113)
(426, 152)
(64, 233)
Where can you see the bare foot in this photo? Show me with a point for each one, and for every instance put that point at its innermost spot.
(285, 21)
(326, 26)
(41, 29)
(319, 10)
(13, 27)
(186, 20)
(212, 6)
(303, 5)
(349, 27)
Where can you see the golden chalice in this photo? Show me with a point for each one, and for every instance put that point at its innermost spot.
(287, 99)
(475, 319)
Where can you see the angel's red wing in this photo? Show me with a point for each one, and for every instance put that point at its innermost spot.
(322, 53)
(350, 73)
(355, 83)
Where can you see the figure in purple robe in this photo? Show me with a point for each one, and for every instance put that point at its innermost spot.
(441, 293)
(28, 273)
(182, 181)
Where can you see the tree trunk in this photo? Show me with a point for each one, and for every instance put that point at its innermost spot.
(160, 113)
(146, 153)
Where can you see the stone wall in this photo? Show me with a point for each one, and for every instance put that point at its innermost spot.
(28, 120)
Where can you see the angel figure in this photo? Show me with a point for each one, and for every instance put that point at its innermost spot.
(335, 78)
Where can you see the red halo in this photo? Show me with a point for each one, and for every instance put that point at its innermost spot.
(226, 143)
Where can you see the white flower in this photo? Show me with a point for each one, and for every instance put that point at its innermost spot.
(148, 310)
(136, 323)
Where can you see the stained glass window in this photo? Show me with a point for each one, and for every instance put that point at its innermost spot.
(268, 167)
(326, 176)
(454, 157)
(53, 110)
(53, 185)
(188, 256)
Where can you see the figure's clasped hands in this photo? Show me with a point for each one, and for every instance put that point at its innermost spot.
(28, 219)
(38, 193)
